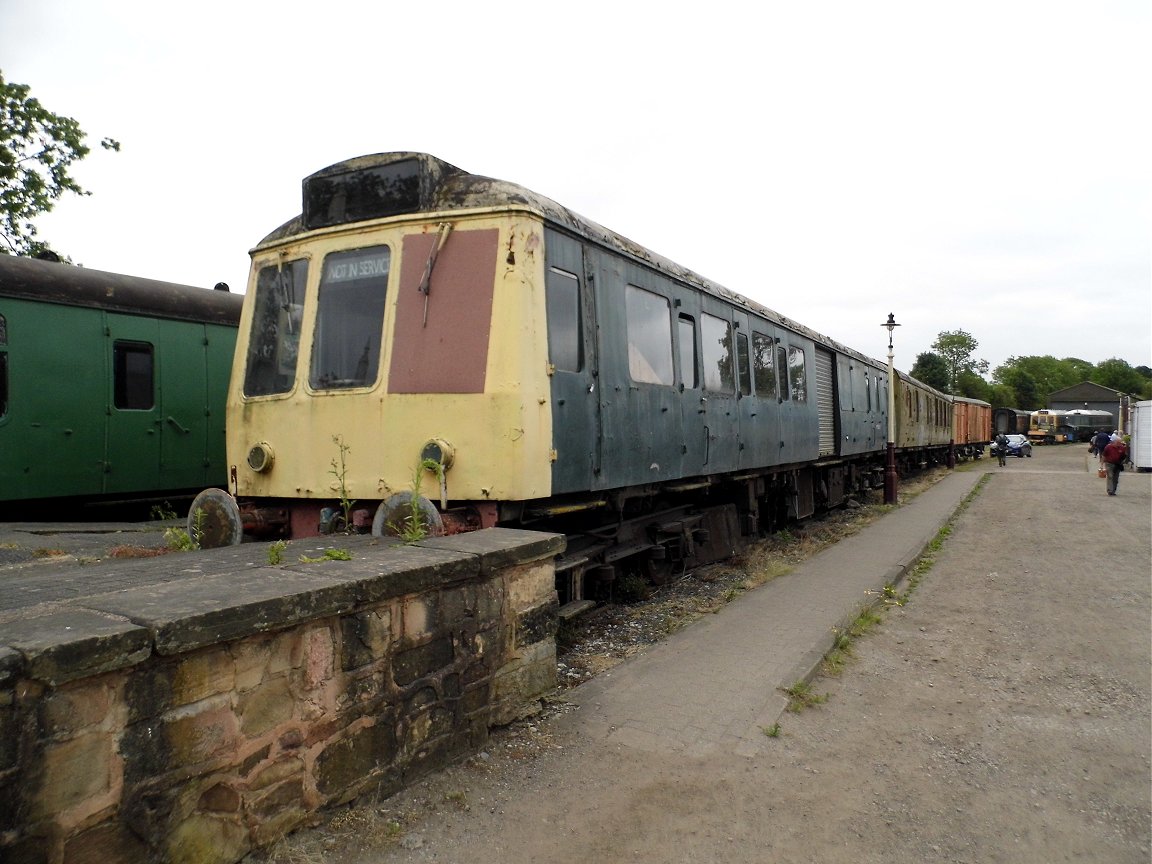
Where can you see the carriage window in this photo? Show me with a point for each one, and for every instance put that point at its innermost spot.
(274, 342)
(649, 337)
(868, 390)
(796, 375)
(716, 335)
(350, 319)
(763, 371)
(565, 348)
(782, 371)
(742, 364)
(132, 375)
(688, 374)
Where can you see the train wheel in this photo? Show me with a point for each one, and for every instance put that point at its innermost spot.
(214, 520)
(408, 517)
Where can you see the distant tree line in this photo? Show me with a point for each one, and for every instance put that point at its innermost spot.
(1020, 382)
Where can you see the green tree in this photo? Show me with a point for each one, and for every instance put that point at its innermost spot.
(931, 369)
(957, 348)
(1025, 394)
(1003, 396)
(972, 386)
(1118, 375)
(37, 148)
(1046, 375)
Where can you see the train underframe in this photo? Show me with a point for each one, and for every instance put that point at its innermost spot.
(654, 532)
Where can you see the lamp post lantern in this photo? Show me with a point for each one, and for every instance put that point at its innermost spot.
(891, 477)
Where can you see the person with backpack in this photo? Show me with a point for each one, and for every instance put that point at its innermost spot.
(1114, 454)
(1099, 442)
(1000, 445)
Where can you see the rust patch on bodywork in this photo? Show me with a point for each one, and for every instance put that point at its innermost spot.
(448, 353)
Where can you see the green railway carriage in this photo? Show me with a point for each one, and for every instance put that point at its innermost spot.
(110, 385)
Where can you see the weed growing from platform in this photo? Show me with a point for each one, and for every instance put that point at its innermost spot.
(413, 526)
(276, 552)
(179, 540)
(329, 555)
(837, 658)
(162, 512)
(340, 472)
(801, 696)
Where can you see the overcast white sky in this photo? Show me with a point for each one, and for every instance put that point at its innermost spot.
(973, 165)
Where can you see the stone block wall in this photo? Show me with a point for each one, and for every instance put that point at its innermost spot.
(199, 715)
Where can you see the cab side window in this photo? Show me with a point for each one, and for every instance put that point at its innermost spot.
(565, 347)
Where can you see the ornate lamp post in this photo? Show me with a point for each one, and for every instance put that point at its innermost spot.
(891, 477)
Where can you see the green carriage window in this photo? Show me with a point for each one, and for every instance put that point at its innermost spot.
(350, 319)
(716, 335)
(133, 365)
(274, 341)
(743, 377)
(782, 371)
(797, 377)
(763, 370)
(649, 337)
(565, 348)
(689, 377)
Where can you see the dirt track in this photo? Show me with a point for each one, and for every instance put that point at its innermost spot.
(1001, 715)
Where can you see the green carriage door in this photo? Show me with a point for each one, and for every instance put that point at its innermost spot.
(184, 409)
(132, 443)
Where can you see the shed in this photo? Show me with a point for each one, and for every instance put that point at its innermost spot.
(1087, 396)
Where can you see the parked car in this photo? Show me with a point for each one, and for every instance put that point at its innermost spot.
(1019, 445)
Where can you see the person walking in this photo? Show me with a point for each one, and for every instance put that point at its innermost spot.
(1099, 443)
(1113, 456)
(1001, 443)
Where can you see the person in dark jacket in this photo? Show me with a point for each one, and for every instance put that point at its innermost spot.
(1098, 445)
(1113, 456)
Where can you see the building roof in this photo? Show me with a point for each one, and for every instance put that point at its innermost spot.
(1086, 391)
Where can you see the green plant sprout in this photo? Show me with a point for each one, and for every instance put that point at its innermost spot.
(413, 527)
(276, 552)
(339, 470)
(180, 540)
(329, 555)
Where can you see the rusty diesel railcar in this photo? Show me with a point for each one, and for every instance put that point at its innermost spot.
(424, 345)
(111, 386)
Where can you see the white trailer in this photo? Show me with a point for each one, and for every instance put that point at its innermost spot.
(1141, 454)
